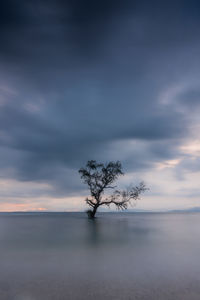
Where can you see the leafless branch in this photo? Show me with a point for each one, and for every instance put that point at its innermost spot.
(100, 177)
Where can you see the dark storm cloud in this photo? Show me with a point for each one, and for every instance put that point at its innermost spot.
(190, 99)
(78, 76)
(76, 25)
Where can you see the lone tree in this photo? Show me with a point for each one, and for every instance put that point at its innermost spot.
(99, 177)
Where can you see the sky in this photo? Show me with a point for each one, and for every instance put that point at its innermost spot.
(103, 80)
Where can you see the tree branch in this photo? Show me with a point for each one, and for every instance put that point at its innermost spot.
(123, 198)
(100, 177)
(90, 202)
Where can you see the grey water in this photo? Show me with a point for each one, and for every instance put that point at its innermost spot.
(118, 256)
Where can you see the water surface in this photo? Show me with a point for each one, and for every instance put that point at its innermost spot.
(117, 256)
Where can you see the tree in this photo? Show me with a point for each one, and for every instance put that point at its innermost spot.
(99, 177)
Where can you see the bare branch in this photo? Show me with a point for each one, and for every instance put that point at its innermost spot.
(110, 187)
(124, 198)
(100, 177)
(90, 202)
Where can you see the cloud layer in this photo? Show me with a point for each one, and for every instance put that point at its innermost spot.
(106, 80)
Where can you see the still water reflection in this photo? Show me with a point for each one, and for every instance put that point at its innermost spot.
(117, 256)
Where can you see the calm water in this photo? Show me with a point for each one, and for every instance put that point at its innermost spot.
(118, 256)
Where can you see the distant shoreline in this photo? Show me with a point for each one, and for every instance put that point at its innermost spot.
(192, 210)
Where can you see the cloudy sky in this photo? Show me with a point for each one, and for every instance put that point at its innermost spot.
(103, 80)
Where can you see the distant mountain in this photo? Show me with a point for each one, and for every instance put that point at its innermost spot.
(192, 209)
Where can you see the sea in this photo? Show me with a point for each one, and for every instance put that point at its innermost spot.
(143, 256)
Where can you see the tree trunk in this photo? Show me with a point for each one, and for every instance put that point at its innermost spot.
(91, 213)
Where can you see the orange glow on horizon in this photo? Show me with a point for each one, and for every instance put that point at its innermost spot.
(12, 207)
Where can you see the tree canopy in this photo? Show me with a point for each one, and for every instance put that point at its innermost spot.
(100, 177)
